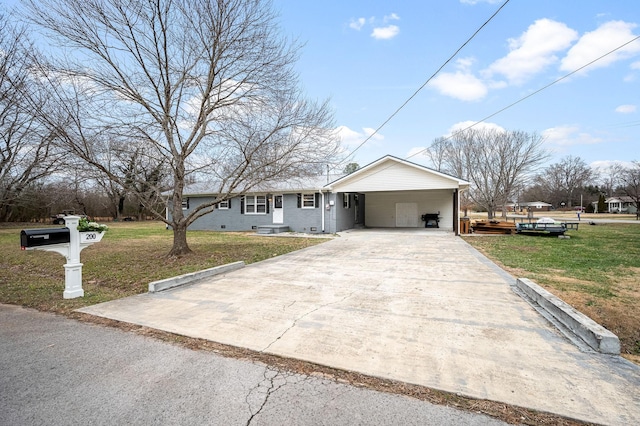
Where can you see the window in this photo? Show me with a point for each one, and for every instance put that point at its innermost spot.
(185, 204)
(255, 204)
(345, 200)
(223, 205)
(308, 201)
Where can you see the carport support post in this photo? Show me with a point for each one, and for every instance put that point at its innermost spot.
(73, 267)
(456, 212)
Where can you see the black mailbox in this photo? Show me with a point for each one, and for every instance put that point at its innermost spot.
(44, 237)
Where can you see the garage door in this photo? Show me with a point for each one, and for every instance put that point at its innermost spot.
(407, 215)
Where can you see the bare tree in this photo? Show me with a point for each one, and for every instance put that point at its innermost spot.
(567, 177)
(438, 152)
(630, 178)
(26, 151)
(495, 162)
(207, 85)
(610, 178)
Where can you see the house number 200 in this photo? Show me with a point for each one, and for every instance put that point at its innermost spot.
(90, 236)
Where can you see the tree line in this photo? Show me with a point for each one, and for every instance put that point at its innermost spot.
(508, 167)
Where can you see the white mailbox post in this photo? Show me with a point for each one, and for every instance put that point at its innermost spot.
(69, 247)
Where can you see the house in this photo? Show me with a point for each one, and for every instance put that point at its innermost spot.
(388, 193)
(529, 206)
(621, 204)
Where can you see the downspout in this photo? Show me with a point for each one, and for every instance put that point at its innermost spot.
(323, 209)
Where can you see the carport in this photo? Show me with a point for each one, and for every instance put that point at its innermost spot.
(395, 193)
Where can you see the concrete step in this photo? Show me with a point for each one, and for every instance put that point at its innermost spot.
(272, 229)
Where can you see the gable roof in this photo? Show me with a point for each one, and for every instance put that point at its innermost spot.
(390, 173)
(536, 204)
(619, 199)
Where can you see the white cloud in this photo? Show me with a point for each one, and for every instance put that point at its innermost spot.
(463, 125)
(529, 54)
(351, 138)
(635, 65)
(369, 131)
(562, 136)
(357, 24)
(603, 166)
(626, 109)
(381, 31)
(460, 85)
(417, 151)
(533, 51)
(385, 33)
(392, 17)
(604, 39)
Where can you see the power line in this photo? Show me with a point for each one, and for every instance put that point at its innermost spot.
(537, 91)
(430, 78)
(530, 95)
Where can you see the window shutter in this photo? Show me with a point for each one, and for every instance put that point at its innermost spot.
(229, 201)
(317, 200)
(299, 200)
(242, 205)
(267, 201)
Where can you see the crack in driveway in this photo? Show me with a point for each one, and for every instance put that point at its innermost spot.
(295, 321)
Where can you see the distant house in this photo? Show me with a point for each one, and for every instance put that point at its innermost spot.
(388, 193)
(621, 204)
(532, 205)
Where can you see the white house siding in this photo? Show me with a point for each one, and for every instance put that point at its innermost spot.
(390, 176)
(380, 208)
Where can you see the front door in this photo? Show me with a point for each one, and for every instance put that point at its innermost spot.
(278, 211)
(407, 215)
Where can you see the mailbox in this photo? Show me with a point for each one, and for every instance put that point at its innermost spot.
(44, 237)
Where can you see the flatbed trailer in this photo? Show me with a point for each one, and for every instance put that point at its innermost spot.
(541, 228)
(555, 228)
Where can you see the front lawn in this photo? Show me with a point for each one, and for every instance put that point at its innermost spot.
(130, 255)
(597, 271)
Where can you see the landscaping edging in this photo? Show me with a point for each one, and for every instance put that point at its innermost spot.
(575, 322)
(172, 282)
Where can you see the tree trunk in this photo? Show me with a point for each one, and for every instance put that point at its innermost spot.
(120, 208)
(180, 246)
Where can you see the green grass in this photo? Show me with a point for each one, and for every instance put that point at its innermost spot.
(131, 255)
(595, 254)
(597, 271)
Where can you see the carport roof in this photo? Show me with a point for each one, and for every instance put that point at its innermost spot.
(390, 173)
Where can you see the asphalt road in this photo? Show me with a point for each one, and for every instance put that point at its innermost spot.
(58, 371)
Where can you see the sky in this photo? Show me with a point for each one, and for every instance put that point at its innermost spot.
(368, 57)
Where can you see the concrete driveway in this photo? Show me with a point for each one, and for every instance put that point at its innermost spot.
(417, 306)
